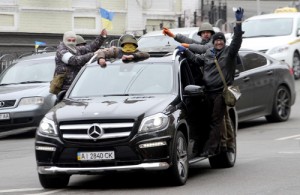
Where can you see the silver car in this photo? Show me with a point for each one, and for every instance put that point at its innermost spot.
(24, 93)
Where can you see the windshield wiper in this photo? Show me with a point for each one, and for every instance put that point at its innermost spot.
(123, 94)
(25, 82)
(2, 84)
(259, 36)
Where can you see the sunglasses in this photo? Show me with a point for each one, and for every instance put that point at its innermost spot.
(71, 40)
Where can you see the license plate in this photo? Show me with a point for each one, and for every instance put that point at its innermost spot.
(4, 116)
(95, 156)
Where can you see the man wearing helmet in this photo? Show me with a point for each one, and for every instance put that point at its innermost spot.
(70, 58)
(205, 32)
(80, 41)
(128, 51)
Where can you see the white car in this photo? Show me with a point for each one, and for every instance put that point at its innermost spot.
(156, 41)
(277, 35)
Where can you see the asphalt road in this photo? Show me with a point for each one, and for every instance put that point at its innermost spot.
(268, 159)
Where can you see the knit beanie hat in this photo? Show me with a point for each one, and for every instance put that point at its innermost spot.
(218, 35)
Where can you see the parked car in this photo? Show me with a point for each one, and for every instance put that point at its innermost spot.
(267, 86)
(24, 93)
(126, 117)
(275, 34)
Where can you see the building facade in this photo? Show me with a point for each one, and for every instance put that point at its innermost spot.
(24, 21)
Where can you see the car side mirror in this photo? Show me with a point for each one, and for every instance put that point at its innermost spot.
(61, 95)
(193, 90)
(237, 73)
(298, 32)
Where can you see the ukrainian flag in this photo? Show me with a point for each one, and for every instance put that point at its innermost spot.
(106, 18)
(38, 43)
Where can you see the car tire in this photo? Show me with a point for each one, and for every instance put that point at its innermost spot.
(225, 159)
(281, 108)
(54, 181)
(179, 166)
(296, 65)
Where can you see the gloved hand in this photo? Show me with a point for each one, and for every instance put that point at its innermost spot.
(99, 53)
(186, 45)
(127, 57)
(239, 13)
(213, 52)
(103, 33)
(166, 31)
(102, 62)
(181, 48)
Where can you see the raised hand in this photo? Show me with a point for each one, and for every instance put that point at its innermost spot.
(166, 31)
(239, 13)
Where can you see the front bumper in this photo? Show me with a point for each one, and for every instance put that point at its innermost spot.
(94, 170)
(22, 119)
(54, 155)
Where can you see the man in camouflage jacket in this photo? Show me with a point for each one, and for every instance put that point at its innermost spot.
(70, 58)
(128, 51)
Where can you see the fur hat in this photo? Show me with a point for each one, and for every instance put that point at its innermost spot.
(218, 35)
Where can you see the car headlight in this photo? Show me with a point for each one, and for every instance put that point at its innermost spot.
(153, 123)
(279, 49)
(31, 101)
(47, 127)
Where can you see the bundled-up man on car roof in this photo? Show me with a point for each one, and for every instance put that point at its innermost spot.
(70, 58)
(128, 52)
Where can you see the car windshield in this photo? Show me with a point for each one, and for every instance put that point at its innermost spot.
(124, 79)
(29, 71)
(157, 41)
(268, 27)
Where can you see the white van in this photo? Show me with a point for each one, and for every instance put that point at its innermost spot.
(275, 34)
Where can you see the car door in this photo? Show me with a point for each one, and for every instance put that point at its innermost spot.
(255, 82)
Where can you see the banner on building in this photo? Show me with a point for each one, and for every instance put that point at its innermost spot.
(106, 18)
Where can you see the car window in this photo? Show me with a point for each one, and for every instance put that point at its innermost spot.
(253, 60)
(158, 41)
(298, 24)
(268, 27)
(122, 78)
(186, 74)
(239, 64)
(33, 70)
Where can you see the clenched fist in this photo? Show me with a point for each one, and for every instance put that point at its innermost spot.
(166, 31)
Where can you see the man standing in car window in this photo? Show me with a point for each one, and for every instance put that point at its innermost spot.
(70, 58)
(206, 32)
(227, 59)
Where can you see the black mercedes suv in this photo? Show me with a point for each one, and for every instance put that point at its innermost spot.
(145, 115)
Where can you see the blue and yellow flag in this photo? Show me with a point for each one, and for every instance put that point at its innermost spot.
(106, 18)
(38, 43)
